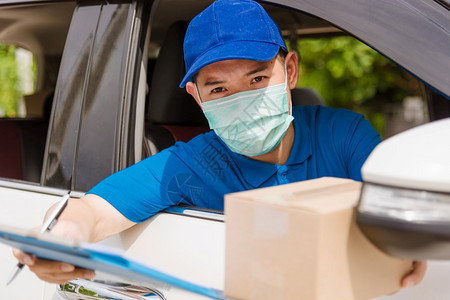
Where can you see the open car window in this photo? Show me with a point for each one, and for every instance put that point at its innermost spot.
(336, 70)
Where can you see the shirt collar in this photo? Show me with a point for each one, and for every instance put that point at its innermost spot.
(256, 172)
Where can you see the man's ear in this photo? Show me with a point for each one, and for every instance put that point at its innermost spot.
(191, 89)
(291, 60)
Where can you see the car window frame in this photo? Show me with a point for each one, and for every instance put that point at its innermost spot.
(62, 168)
(423, 25)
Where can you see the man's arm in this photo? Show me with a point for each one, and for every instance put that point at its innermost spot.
(355, 138)
(91, 219)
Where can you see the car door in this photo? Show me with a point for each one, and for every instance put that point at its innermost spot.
(93, 119)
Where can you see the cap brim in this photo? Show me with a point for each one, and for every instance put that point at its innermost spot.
(252, 50)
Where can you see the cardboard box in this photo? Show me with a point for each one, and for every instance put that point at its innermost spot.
(300, 241)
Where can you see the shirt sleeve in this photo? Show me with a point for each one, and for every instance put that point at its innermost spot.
(361, 138)
(140, 191)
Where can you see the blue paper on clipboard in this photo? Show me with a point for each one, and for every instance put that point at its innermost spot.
(45, 245)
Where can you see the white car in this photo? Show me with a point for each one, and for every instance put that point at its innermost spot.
(107, 83)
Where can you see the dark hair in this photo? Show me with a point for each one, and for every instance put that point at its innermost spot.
(281, 55)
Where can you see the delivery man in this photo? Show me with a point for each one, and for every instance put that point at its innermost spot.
(238, 69)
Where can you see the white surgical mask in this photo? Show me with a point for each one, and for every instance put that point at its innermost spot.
(253, 122)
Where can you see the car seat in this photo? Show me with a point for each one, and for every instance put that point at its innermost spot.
(10, 150)
(172, 114)
(22, 145)
(306, 96)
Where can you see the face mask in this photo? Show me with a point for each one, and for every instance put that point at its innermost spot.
(250, 123)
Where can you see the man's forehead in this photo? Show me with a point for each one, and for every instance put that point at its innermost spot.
(242, 67)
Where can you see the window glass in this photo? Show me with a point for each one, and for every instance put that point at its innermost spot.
(17, 79)
(32, 39)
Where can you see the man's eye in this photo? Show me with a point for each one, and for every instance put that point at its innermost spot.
(218, 90)
(258, 79)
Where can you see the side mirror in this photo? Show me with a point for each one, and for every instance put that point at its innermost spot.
(404, 206)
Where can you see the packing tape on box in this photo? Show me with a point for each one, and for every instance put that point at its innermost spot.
(269, 223)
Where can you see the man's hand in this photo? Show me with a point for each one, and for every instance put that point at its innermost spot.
(53, 271)
(416, 275)
(90, 219)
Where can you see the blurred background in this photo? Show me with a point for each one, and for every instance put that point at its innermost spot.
(350, 74)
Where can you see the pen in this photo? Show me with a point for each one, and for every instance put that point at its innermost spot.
(47, 225)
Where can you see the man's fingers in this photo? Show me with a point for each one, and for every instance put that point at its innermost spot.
(52, 271)
(416, 275)
(58, 272)
(24, 258)
(66, 276)
(46, 266)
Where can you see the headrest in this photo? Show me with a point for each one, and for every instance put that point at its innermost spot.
(168, 103)
(306, 96)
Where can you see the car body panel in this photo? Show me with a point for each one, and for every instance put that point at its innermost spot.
(184, 246)
(24, 209)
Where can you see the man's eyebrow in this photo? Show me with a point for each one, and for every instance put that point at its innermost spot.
(258, 69)
(209, 83)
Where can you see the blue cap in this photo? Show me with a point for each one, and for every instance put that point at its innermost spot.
(230, 29)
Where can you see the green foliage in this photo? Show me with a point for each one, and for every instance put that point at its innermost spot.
(349, 74)
(10, 92)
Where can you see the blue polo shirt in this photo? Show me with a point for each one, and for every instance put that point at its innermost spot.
(328, 142)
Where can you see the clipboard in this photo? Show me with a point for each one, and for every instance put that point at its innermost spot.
(90, 256)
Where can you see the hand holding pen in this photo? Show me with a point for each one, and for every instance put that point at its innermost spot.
(48, 224)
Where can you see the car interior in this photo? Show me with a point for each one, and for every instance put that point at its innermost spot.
(170, 113)
(41, 29)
